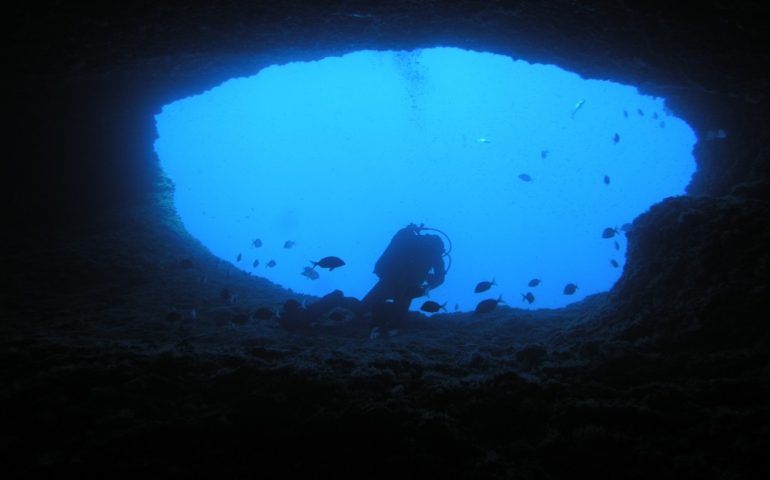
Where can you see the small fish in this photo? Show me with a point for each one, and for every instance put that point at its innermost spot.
(662, 124)
(640, 112)
(655, 115)
(617, 245)
(310, 273)
(457, 307)
(525, 178)
(257, 243)
(240, 319)
(534, 282)
(615, 139)
(626, 227)
(238, 259)
(432, 307)
(484, 140)
(577, 107)
(606, 180)
(614, 263)
(625, 113)
(528, 297)
(484, 286)
(263, 313)
(271, 263)
(570, 288)
(543, 154)
(328, 262)
(288, 244)
(255, 264)
(291, 305)
(609, 232)
(486, 306)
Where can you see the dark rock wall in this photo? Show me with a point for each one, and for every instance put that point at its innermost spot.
(87, 81)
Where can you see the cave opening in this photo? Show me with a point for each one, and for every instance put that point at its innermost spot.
(532, 171)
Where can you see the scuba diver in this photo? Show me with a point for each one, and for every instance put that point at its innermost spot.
(411, 266)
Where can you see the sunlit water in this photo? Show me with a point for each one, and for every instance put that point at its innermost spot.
(337, 155)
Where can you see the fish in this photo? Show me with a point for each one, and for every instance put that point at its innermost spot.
(257, 243)
(255, 264)
(606, 180)
(432, 307)
(655, 115)
(240, 319)
(662, 124)
(263, 313)
(570, 288)
(484, 286)
(640, 112)
(288, 244)
(486, 306)
(609, 232)
(617, 245)
(615, 138)
(543, 153)
(457, 307)
(310, 273)
(238, 259)
(271, 263)
(484, 140)
(534, 282)
(525, 178)
(625, 113)
(577, 107)
(528, 297)
(291, 305)
(328, 262)
(626, 227)
(614, 263)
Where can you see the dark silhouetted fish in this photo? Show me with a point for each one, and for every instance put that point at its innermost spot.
(432, 307)
(328, 262)
(625, 113)
(525, 178)
(570, 288)
(288, 244)
(534, 282)
(606, 180)
(271, 263)
(257, 243)
(614, 263)
(255, 264)
(484, 286)
(543, 154)
(291, 305)
(263, 313)
(640, 112)
(615, 138)
(457, 307)
(240, 319)
(617, 245)
(310, 273)
(238, 259)
(609, 232)
(655, 115)
(528, 297)
(486, 306)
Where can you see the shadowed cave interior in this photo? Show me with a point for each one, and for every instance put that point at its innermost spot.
(666, 375)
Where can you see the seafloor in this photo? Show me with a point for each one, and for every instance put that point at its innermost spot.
(98, 378)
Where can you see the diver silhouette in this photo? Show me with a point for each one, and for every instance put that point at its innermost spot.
(410, 266)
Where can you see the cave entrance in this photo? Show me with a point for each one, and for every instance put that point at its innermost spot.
(524, 166)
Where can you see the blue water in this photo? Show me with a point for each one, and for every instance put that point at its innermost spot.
(337, 155)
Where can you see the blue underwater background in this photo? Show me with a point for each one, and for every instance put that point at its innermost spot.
(522, 166)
